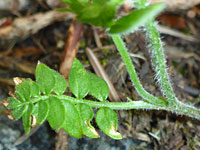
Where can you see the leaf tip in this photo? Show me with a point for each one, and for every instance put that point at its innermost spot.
(92, 129)
(114, 133)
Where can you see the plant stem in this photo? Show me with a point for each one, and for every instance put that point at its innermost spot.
(159, 62)
(133, 75)
(158, 58)
(184, 110)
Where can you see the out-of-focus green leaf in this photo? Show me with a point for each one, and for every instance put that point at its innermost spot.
(136, 18)
(63, 9)
(93, 12)
(113, 2)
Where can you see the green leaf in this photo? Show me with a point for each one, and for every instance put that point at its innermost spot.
(140, 3)
(44, 78)
(49, 80)
(71, 1)
(24, 90)
(67, 1)
(60, 83)
(35, 89)
(26, 119)
(19, 111)
(13, 103)
(135, 19)
(113, 2)
(106, 120)
(41, 111)
(56, 115)
(86, 114)
(63, 9)
(98, 87)
(94, 12)
(72, 124)
(78, 80)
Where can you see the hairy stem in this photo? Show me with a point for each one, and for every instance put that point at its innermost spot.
(158, 58)
(133, 75)
(159, 63)
(185, 109)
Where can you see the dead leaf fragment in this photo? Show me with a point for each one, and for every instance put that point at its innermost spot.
(173, 21)
(5, 102)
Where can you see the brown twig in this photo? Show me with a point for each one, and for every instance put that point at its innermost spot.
(23, 27)
(175, 33)
(72, 44)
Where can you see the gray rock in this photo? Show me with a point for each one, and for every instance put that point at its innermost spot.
(11, 130)
(8, 137)
(106, 143)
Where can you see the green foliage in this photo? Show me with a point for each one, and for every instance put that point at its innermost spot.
(26, 119)
(93, 12)
(35, 89)
(44, 78)
(95, 90)
(24, 91)
(42, 100)
(136, 19)
(19, 111)
(56, 115)
(72, 124)
(86, 115)
(78, 80)
(13, 103)
(140, 3)
(107, 120)
(102, 13)
(49, 80)
(41, 111)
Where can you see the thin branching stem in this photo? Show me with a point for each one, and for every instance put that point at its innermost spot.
(133, 75)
